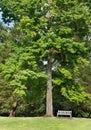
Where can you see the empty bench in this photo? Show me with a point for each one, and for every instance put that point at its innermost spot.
(66, 113)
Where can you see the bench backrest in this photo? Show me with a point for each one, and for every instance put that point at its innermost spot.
(65, 112)
(61, 112)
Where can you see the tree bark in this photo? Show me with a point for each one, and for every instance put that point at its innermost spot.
(13, 110)
(49, 105)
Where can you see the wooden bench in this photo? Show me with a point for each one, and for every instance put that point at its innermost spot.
(61, 112)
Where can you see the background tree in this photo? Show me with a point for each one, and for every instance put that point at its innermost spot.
(4, 51)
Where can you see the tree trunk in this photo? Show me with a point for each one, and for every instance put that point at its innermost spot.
(13, 110)
(49, 105)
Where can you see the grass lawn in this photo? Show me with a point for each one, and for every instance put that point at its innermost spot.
(44, 123)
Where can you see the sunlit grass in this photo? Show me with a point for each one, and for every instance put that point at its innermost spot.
(44, 123)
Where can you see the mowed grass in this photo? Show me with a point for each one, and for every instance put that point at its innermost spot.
(44, 123)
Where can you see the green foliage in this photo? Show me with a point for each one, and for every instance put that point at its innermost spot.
(75, 94)
(66, 73)
(3, 33)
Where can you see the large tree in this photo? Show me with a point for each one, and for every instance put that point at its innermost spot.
(5, 96)
(50, 37)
